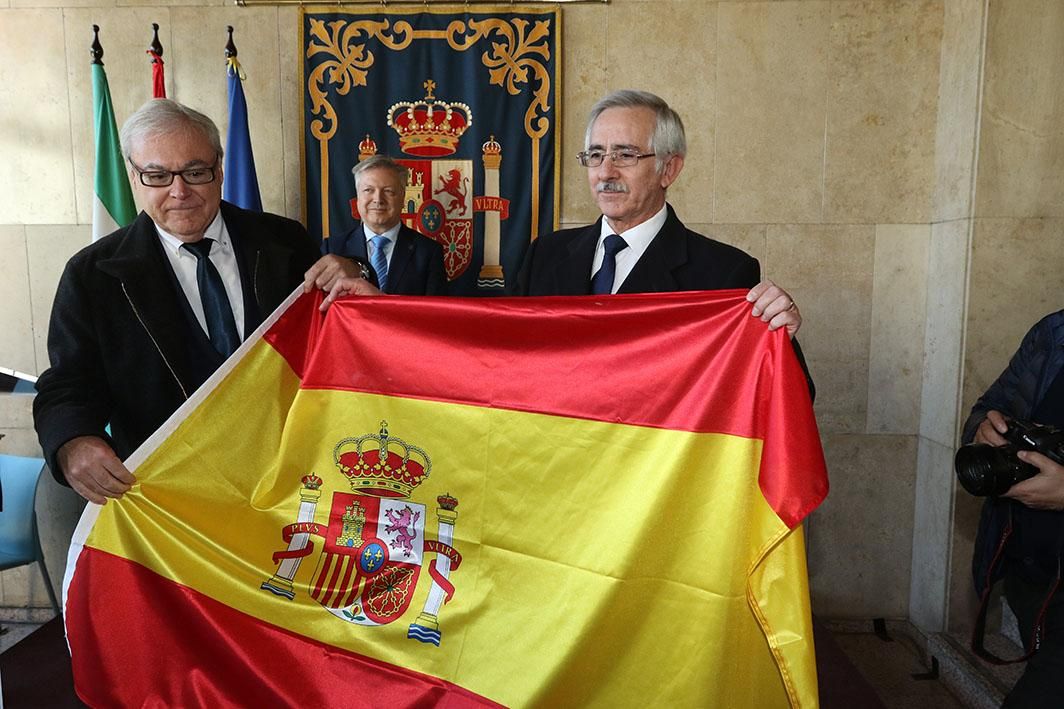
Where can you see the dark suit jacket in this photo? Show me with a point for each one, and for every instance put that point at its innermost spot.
(122, 346)
(416, 267)
(677, 259)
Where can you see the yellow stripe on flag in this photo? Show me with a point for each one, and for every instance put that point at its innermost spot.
(577, 537)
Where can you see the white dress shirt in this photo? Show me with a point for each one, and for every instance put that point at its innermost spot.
(638, 239)
(224, 259)
(389, 247)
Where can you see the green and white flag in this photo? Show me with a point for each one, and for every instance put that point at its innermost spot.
(112, 205)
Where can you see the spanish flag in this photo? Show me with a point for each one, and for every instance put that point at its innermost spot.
(589, 501)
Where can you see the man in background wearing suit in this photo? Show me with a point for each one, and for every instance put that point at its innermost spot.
(404, 262)
(633, 150)
(144, 316)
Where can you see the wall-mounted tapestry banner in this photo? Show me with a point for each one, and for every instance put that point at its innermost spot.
(467, 100)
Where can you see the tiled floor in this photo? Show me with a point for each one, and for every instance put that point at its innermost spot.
(893, 667)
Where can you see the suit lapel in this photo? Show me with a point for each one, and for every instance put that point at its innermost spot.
(139, 265)
(573, 274)
(401, 255)
(666, 252)
(263, 269)
(356, 243)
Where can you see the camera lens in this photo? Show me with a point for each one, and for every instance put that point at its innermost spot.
(984, 470)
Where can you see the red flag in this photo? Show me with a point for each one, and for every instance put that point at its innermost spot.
(158, 77)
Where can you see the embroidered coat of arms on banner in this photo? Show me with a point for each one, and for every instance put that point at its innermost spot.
(467, 101)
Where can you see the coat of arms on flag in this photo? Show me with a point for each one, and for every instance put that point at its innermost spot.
(374, 538)
(301, 511)
(448, 95)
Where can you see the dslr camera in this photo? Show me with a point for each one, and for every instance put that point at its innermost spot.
(984, 470)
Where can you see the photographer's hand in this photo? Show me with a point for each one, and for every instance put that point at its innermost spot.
(1045, 491)
(991, 428)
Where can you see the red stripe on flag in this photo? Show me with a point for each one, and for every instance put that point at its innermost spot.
(685, 361)
(294, 334)
(235, 660)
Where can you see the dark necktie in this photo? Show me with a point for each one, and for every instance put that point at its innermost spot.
(602, 281)
(221, 326)
(380, 261)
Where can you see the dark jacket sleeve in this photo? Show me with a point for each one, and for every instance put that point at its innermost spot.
(73, 398)
(1013, 392)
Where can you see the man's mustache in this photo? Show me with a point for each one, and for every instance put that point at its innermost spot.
(611, 187)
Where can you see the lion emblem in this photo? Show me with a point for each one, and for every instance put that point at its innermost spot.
(457, 187)
(402, 526)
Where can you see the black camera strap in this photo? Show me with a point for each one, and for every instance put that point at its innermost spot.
(1037, 632)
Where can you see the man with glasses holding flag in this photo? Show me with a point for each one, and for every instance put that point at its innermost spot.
(145, 315)
(634, 150)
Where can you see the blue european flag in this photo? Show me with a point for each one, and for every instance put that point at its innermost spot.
(241, 186)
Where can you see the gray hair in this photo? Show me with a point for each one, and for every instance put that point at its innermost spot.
(669, 138)
(380, 161)
(160, 116)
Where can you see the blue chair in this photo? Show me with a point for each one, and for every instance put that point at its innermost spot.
(19, 542)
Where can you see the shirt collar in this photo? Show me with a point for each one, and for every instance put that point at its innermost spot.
(215, 230)
(639, 236)
(390, 235)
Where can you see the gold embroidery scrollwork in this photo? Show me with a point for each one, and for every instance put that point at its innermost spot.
(520, 52)
(349, 63)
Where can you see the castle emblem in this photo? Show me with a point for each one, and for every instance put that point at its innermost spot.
(374, 539)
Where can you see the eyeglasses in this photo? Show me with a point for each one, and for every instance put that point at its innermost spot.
(165, 178)
(620, 158)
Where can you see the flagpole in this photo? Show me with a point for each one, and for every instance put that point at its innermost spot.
(112, 204)
(158, 78)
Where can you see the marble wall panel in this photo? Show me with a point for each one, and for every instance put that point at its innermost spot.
(963, 601)
(21, 440)
(861, 536)
(748, 237)
(1021, 154)
(36, 184)
(584, 71)
(291, 110)
(48, 248)
(18, 586)
(16, 315)
(958, 108)
(59, 3)
(947, 278)
(828, 270)
(896, 358)
(154, 3)
(16, 411)
(124, 35)
(673, 52)
(882, 102)
(1015, 274)
(931, 535)
(772, 81)
(200, 80)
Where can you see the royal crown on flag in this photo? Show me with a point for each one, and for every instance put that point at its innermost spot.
(311, 482)
(378, 464)
(429, 128)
